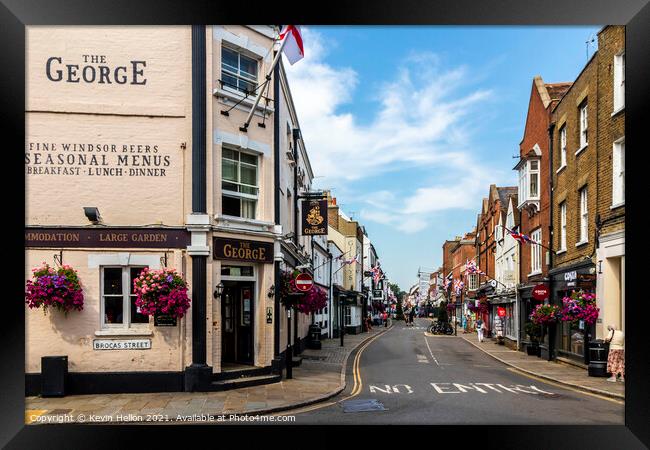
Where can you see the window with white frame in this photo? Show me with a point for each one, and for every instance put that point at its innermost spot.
(529, 181)
(238, 71)
(583, 125)
(563, 146)
(618, 169)
(239, 183)
(118, 309)
(619, 82)
(584, 215)
(563, 226)
(472, 281)
(536, 251)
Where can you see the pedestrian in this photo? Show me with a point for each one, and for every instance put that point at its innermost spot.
(616, 357)
(385, 317)
(411, 316)
(480, 329)
(369, 322)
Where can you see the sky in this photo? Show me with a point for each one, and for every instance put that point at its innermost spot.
(409, 125)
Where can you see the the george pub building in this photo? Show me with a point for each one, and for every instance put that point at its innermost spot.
(137, 157)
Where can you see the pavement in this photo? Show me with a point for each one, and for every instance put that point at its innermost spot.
(321, 375)
(558, 372)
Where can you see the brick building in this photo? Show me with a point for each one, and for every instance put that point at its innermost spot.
(534, 194)
(485, 244)
(587, 148)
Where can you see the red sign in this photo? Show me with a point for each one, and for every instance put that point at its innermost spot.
(304, 282)
(540, 292)
(501, 312)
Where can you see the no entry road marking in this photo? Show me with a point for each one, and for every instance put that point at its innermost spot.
(462, 388)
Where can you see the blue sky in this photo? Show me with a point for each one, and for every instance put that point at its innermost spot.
(410, 125)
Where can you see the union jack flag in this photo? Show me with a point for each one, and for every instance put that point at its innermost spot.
(471, 267)
(519, 237)
(376, 273)
(446, 283)
(458, 286)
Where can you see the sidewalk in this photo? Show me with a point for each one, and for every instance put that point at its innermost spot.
(558, 372)
(320, 376)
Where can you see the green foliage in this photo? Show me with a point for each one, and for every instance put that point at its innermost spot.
(534, 331)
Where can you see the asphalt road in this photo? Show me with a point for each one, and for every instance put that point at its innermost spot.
(423, 379)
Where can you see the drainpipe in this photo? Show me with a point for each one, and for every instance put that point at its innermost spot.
(198, 374)
(276, 202)
(551, 339)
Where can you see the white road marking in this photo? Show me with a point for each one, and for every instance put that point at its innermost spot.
(422, 359)
(430, 352)
(388, 389)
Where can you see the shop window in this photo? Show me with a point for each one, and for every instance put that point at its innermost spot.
(348, 316)
(118, 309)
(238, 71)
(237, 271)
(239, 183)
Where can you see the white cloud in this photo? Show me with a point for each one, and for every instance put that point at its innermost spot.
(423, 118)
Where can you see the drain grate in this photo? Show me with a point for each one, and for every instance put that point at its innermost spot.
(362, 405)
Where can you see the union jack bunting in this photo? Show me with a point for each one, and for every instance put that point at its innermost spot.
(520, 237)
(471, 267)
(376, 273)
(458, 286)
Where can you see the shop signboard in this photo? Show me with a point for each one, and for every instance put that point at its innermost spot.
(314, 217)
(243, 250)
(106, 237)
(501, 312)
(540, 292)
(164, 320)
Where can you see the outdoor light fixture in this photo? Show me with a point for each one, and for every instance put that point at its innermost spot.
(92, 213)
(218, 290)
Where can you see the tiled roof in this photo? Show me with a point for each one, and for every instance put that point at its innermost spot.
(557, 90)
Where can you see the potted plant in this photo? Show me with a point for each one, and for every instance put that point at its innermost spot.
(534, 332)
(580, 306)
(57, 288)
(161, 292)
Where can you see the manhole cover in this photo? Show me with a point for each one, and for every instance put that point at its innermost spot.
(362, 405)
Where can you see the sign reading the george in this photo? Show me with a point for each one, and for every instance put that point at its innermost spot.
(106, 237)
(540, 292)
(314, 217)
(121, 344)
(242, 250)
(304, 282)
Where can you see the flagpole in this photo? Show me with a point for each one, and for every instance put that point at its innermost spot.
(277, 57)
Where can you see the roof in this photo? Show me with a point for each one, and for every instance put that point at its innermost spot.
(504, 194)
(557, 90)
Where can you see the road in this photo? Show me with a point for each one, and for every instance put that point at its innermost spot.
(422, 379)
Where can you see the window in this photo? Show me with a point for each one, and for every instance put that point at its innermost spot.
(473, 281)
(583, 125)
(563, 146)
(348, 316)
(619, 82)
(563, 226)
(536, 252)
(618, 169)
(238, 71)
(118, 308)
(529, 181)
(239, 183)
(583, 215)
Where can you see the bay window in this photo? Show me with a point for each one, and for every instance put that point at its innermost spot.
(529, 182)
(239, 183)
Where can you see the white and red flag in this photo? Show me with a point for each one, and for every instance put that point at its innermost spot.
(293, 47)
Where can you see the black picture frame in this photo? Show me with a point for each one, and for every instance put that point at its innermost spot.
(635, 14)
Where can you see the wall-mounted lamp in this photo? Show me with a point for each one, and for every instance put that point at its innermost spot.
(92, 213)
(271, 292)
(218, 290)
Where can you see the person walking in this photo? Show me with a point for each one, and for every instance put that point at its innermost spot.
(411, 316)
(616, 357)
(385, 317)
(480, 329)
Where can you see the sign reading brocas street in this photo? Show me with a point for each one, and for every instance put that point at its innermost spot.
(314, 217)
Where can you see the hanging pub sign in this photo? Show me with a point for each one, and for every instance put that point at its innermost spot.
(314, 217)
(243, 250)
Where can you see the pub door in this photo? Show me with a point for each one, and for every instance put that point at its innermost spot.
(237, 323)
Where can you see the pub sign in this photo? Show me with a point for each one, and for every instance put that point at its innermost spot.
(314, 217)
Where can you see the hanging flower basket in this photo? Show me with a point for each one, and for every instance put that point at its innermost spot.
(161, 292)
(545, 314)
(58, 288)
(315, 299)
(580, 306)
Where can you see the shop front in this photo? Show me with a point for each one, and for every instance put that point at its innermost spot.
(503, 312)
(353, 312)
(242, 312)
(571, 339)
